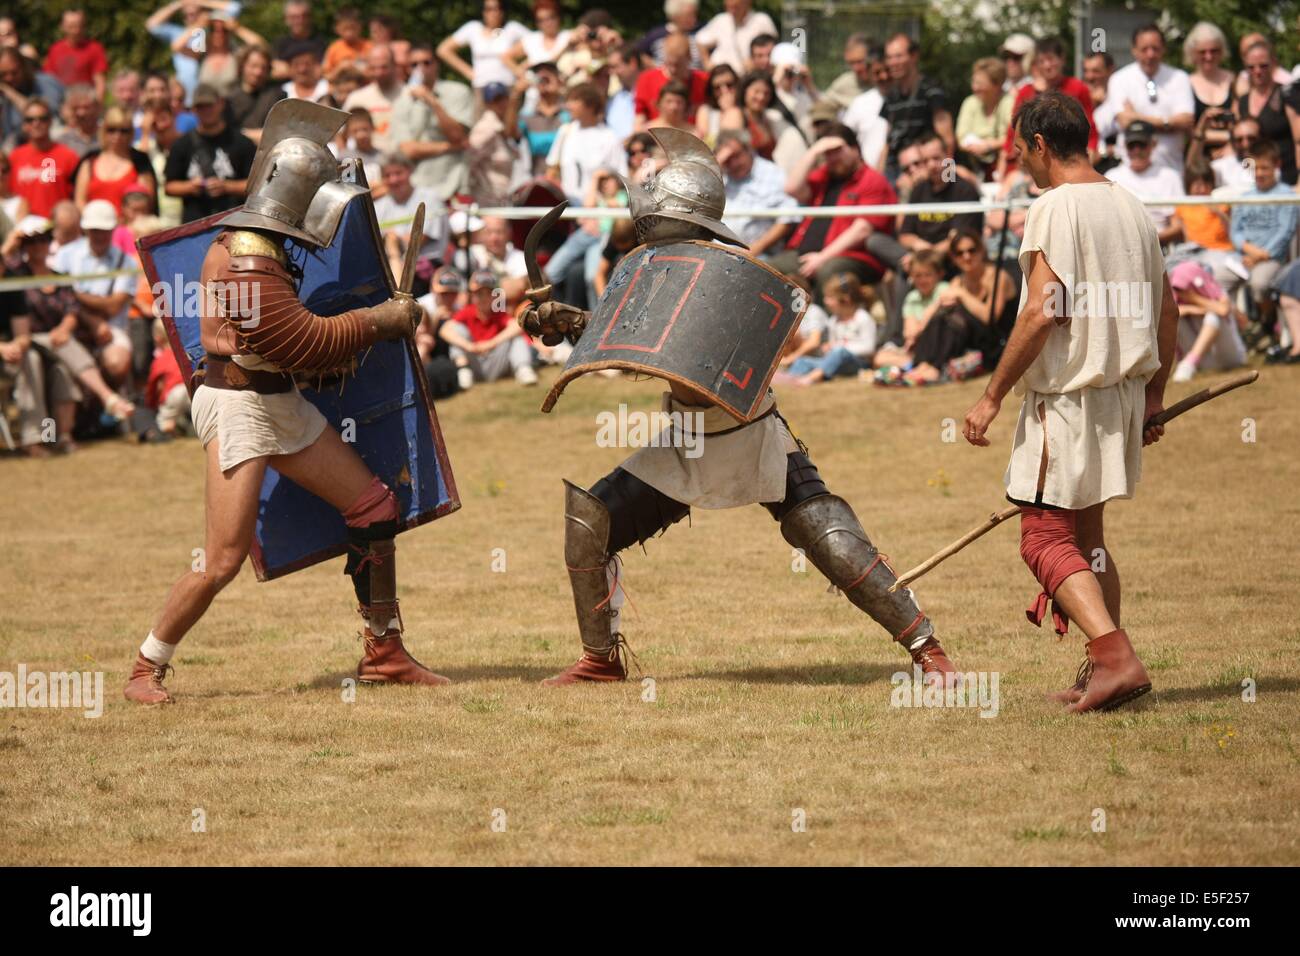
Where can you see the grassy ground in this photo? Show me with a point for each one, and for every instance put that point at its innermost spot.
(772, 697)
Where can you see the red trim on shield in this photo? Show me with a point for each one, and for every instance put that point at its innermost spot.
(740, 383)
(699, 268)
(780, 309)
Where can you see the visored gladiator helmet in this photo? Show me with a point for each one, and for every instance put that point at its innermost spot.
(294, 187)
(688, 190)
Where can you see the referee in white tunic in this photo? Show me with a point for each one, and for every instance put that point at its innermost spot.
(1091, 351)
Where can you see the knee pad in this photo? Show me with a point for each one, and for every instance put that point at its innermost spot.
(1049, 546)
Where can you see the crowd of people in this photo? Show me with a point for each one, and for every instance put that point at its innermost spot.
(505, 113)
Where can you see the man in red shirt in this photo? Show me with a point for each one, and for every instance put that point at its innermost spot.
(75, 59)
(677, 66)
(41, 170)
(824, 247)
(1049, 74)
(485, 340)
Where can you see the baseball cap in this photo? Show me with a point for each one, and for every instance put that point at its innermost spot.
(448, 279)
(495, 91)
(99, 214)
(1020, 44)
(482, 279)
(205, 93)
(1139, 131)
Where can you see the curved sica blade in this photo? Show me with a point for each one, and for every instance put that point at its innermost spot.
(540, 228)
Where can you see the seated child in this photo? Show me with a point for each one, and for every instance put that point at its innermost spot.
(925, 272)
(841, 344)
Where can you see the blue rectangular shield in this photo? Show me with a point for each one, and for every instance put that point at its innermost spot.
(386, 407)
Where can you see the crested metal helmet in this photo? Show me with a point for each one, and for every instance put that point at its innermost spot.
(688, 190)
(295, 186)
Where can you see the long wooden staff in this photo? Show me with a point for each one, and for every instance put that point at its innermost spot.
(995, 519)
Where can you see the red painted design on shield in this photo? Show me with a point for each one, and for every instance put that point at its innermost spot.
(681, 303)
(740, 383)
(780, 309)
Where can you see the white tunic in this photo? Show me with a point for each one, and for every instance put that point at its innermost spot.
(1088, 383)
(742, 467)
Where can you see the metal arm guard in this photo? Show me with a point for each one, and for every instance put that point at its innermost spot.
(255, 296)
(586, 555)
(828, 532)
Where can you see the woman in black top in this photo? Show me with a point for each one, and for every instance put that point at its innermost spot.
(971, 314)
(1267, 103)
(1203, 52)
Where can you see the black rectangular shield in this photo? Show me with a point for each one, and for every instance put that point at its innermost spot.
(700, 314)
(385, 409)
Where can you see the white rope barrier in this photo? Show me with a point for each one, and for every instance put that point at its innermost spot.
(601, 212)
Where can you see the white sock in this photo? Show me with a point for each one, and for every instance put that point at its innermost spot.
(156, 650)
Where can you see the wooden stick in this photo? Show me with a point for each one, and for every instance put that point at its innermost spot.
(995, 519)
(1204, 395)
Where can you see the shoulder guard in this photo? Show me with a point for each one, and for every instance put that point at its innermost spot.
(245, 242)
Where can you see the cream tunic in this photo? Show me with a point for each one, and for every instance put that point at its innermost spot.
(1088, 383)
(745, 466)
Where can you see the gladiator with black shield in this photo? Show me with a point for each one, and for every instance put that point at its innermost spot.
(690, 307)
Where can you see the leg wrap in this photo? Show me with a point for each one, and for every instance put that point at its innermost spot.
(371, 561)
(829, 533)
(802, 481)
(1050, 547)
(636, 511)
(596, 592)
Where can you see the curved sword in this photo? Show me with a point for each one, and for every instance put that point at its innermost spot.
(540, 290)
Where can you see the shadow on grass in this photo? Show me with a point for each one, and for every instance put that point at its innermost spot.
(525, 673)
(815, 674)
(1218, 691)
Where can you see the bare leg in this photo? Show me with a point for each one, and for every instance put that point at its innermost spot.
(329, 468)
(1291, 316)
(231, 506)
(116, 362)
(93, 380)
(1204, 339)
(1092, 542)
(332, 470)
(65, 417)
(1080, 595)
(890, 356)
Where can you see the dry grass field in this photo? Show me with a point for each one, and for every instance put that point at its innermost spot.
(772, 697)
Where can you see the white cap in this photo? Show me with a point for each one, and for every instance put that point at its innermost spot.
(33, 226)
(786, 54)
(458, 219)
(99, 214)
(1019, 43)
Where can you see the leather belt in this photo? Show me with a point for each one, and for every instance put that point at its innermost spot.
(221, 372)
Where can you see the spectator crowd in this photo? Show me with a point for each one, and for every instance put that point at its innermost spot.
(502, 112)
